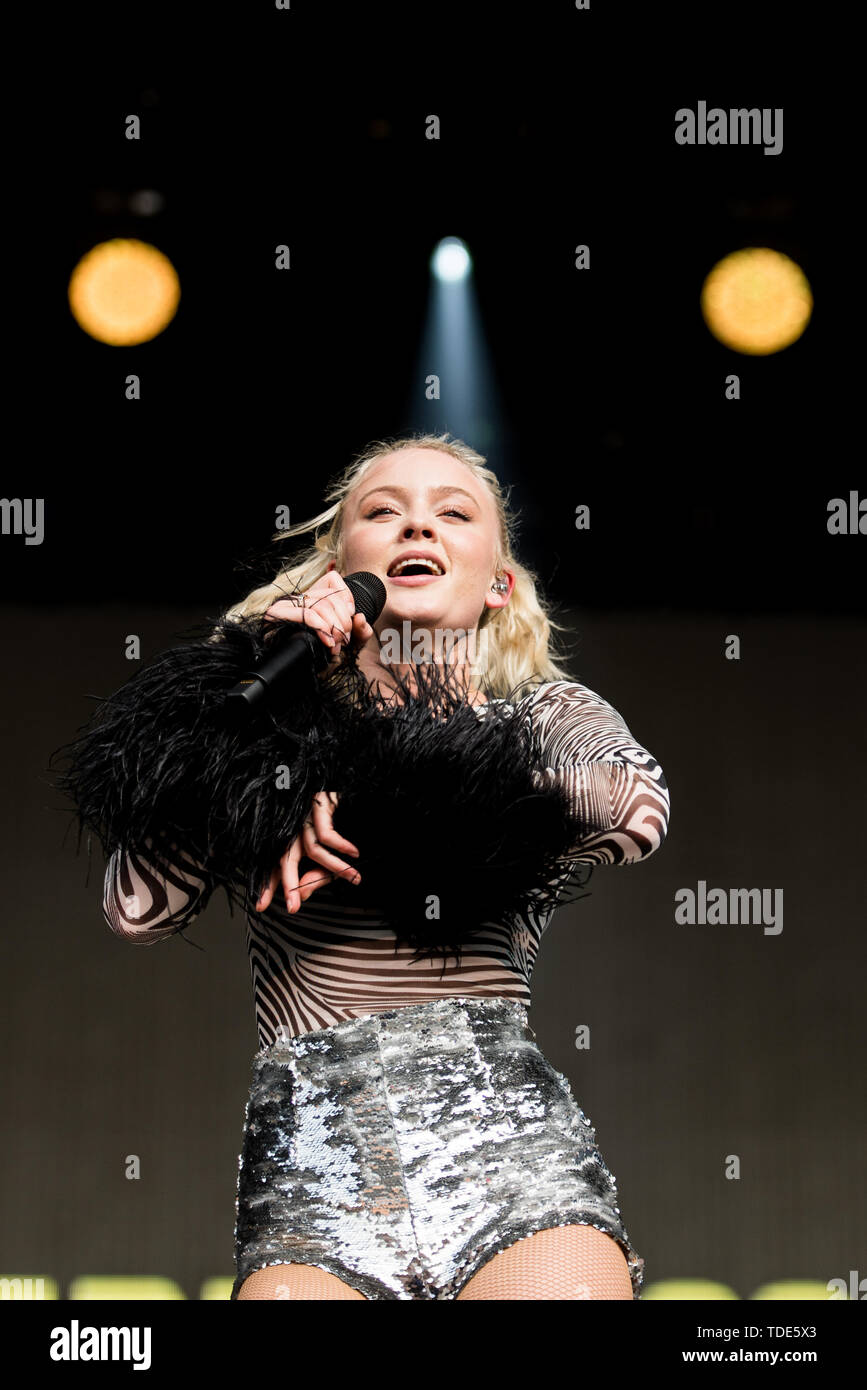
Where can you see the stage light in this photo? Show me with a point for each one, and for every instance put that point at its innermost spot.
(451, 260)
(124, 292)
(756, 301)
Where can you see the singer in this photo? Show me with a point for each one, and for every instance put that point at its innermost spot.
(404, 1136)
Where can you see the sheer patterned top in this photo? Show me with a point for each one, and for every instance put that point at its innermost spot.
(329, 962)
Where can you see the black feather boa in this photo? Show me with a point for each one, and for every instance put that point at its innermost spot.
(452, 828)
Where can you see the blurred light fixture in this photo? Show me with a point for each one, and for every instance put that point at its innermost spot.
(124, 292)
(756, 301)
(146, 202)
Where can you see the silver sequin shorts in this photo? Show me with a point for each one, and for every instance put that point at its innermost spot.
(401, 1151)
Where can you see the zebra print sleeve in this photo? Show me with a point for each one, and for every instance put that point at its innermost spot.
(616, 789)
(141, 904)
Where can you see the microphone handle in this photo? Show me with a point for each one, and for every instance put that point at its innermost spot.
(295, 655)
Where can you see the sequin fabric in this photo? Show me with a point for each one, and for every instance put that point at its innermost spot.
(403, 1150)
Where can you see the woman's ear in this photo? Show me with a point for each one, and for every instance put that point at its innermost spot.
(498, 598)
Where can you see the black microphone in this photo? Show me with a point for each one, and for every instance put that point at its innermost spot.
(299, 654)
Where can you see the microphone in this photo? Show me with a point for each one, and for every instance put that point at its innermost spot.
(298, 654)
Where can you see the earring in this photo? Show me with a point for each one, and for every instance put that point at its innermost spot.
(501, 587)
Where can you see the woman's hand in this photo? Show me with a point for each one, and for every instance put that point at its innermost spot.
(310, 844)
(329, 609)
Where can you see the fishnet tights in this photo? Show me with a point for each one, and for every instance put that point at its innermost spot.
(295, 1281)
(566, 1262)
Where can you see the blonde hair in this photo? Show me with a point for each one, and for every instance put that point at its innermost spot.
(519, 637)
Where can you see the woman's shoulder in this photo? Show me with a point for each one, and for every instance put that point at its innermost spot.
(546, 695)
(551, 692)
(558, 702)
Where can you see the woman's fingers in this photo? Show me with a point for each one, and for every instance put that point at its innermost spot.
(320, 616)
(324, 804)
(315, 850)
(361, 628)
(268, 893)
(317, 830)
(330, 615)
(287, 869)
(313, 879)
(317, 838)
(334, 616)
(289, 874)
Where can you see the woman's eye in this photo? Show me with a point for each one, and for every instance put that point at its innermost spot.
(453, 511)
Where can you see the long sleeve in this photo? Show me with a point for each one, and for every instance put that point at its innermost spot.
(616, 789)
(143, 905)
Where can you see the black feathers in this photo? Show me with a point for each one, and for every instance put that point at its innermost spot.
(440, 799)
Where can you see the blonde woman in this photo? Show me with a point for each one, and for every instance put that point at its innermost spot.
(405, 1138)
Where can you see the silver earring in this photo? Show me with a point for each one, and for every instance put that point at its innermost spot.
(500, 587)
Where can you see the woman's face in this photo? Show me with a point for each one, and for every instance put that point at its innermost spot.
(421, 500)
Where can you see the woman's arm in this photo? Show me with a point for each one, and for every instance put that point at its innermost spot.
(144, 905)
(616, 789)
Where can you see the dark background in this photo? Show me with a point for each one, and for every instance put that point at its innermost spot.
(708, 518)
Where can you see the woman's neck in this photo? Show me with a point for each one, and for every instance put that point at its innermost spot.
(381, 678)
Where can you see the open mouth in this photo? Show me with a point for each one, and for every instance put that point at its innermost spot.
(416, 568)
(413, 575)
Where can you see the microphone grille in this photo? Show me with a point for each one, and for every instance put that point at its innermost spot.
(369, 593)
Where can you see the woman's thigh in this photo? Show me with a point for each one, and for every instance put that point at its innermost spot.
(295, 1281)
(564, 1262)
